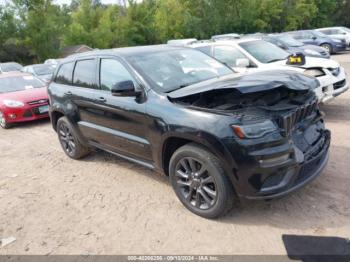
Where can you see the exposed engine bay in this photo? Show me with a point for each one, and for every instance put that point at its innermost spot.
(287, 107)
(231, 99)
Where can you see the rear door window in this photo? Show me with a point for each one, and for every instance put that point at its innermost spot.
(84, 73)
(64, 75)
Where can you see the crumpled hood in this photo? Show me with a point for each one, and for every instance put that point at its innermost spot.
(312, 62)
(251, 83)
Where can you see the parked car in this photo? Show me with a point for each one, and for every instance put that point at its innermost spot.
(339, 32)
(23, 98)
(231, 36)
(293, 46)
(52, 62)
(217, 135)
(253, 55)
(313, 37)
(10, 67)
(42, 71)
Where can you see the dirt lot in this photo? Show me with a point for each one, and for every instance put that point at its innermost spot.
(105, 205)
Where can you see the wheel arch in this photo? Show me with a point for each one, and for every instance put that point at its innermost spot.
(173, 142)
(55, 115)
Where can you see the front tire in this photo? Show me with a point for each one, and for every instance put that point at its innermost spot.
(69, 141)
(328, 47)
(200, 182)
(3, 122)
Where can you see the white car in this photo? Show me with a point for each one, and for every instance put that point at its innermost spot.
(339, 32)
(252, 55)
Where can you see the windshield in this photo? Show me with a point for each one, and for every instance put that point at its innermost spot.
(9, 67)
(19, 83)
(289, 41)
(171, 70)
(264, 52)
(43, 69)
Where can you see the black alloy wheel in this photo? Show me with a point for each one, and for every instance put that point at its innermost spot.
(200, 182)
(69, 141)
(195, 183)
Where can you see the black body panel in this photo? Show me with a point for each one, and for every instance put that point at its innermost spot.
(140, 127)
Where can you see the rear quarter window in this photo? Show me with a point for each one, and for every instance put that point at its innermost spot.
(64, 74)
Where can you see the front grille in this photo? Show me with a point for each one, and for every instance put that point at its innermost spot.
(287, 121)
(339, 84)
(37, 102)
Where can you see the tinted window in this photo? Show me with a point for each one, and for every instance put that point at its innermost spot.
(204, 49)
(228, 55)
(84, 73)
(19, 83)
(64, 75)
(112, 72)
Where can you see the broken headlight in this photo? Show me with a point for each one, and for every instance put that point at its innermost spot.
(314, 72)
(255, 130)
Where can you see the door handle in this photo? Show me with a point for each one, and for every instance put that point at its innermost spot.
(68, 93)
(101, 99)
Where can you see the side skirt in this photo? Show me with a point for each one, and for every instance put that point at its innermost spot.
(131, 159)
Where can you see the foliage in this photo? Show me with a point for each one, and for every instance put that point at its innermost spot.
(34, 30)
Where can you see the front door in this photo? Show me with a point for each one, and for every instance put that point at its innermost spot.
(121, 120)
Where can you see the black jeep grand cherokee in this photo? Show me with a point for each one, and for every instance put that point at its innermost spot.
(216, 134)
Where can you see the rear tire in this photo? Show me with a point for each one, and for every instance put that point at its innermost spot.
(69, 139)
(3, 122)
(200, 182)
(328, 47)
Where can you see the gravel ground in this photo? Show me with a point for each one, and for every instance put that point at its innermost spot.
(104, 205)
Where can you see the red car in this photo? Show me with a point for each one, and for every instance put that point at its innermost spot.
(23, 97)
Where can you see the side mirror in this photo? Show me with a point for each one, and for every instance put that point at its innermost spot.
(242, 62)
(124, 88)
(314, 38)
(296, 59)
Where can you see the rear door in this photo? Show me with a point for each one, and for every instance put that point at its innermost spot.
(121, 121)
(82, 95)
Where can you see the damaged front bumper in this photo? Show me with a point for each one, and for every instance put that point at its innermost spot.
(331, 85)
(274, 171)
(295, 177)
